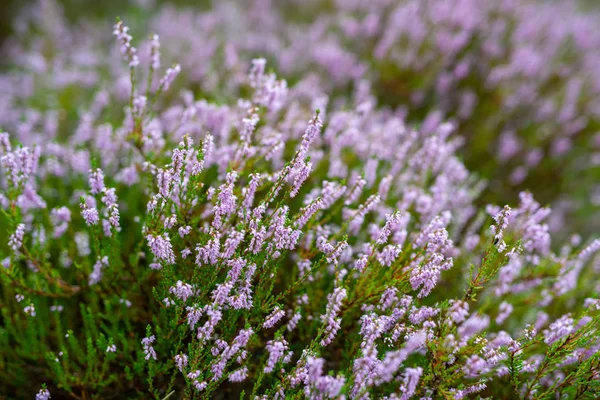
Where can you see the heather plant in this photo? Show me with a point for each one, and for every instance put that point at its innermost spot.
(270, 243)
(517, 78)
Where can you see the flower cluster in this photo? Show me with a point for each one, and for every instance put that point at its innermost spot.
(223, 231)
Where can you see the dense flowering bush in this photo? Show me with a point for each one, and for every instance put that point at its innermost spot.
(210, 229)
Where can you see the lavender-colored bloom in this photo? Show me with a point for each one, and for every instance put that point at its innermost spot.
(392, 220)
(316, 386)
(361, 263)
(209, 253)
(226, 201)
(96, 181)
(425, 276)
(15, 241)
(559, 329)
(43, 394)
(184, 231)
(502, 219)
(300, 175)
(120, 31)
(355, 192)
(250, 191)
(307, 213)
(472, 325)
(410, 382)
(89, 214)
(589, 250)
(504, 312)
(273, 318)
(170, 76)
(312, 131)
(30, 310)
(193, 316)
(60, 218)
(96, 274)
(148, 349)
(181, 361)
(229, 351)
(293, 323)
(458, 311)
(206, 331)
(332, 324)
(155, 52)
(239, 375)
(20, 164)
(182, 290)
(161, 248)
(389, 254)
(463, 393)
(277, 350)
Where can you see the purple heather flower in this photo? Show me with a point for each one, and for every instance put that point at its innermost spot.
(293, 322)
(426, 275)
(120, 31)
(30, 310)
(169, 77)
(410, 381)
(148, 349)
(504, 312)
(60, 218)
(161, 248)
(226, 201)
(205, 332)
(316, 385)
(155, 52)
(277, 351)
(20, 164)
(458, 311)
(502, 218)
(184, 231)
(472, 325)
(460, 394)
(229, 351)
(391, 221)
(181, 361)
(43, 394)
(361, 262)
(239, 375)
(273, 318)
(193, 316)
(300, 175)
(589, 250)
(89, 214)
(96, 274)
(96, 181)
(182, 290)
(559, 329)
(355, 192)
(15, 241)
(307, 213)
(209, 253)
(312, 131)
(332, 324)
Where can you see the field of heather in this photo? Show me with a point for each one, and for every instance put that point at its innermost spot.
(300, 199)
